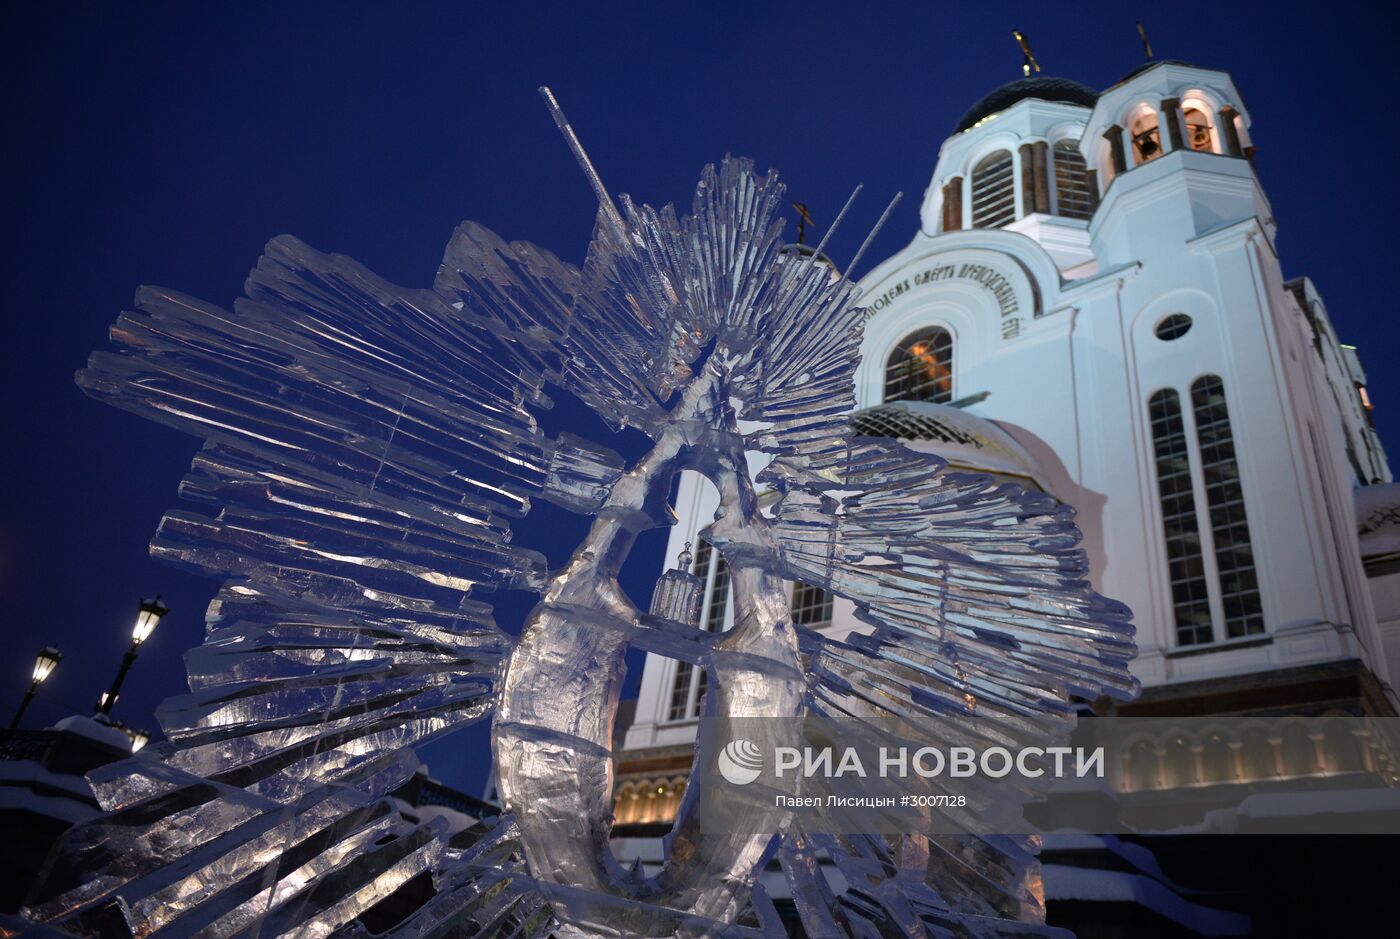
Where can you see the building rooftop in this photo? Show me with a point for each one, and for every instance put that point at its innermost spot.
(1153, 64)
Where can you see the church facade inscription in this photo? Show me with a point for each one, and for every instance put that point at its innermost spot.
(1001, 286)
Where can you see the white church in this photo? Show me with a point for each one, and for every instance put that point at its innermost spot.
(1094, 307)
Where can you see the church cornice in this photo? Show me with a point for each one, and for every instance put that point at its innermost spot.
(1105, 281)
(1227, 235)
(1177, 173)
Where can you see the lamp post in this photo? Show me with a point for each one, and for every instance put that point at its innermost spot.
(147, 617)
(44, 664)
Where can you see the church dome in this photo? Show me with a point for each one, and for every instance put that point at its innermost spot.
(1041, 88)
(969, 443)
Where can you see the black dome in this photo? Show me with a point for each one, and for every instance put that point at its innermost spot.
(1043, 89)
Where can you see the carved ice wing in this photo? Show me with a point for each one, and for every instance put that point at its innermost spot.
(975, 592)
(365, 449)
(378, 420)
(980, 624)
(787, 322)
(659, 291)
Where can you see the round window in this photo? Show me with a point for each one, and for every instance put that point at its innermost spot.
(1173, 327)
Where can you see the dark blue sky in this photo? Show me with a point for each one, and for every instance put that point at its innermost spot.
(166, 144)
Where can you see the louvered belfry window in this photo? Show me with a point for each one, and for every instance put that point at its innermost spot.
(1072, 198)
(921, 368)
(994, 191)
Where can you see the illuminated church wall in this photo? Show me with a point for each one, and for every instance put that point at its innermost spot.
(1096, 276)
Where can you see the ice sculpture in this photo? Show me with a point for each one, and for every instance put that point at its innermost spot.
(365, 449)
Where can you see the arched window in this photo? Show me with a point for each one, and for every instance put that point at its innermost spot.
(1180, 764)
(1259, 758)
(1072, 197)
(993, 191)
(921, 368)
(1236, 587)
(1198, 135)
(648, 808)
(1185, 565)
(1146, 135)
(1299, 751)
(689, 685)
(1143, 767)
(680, 692)
(1234, 556)
(675, 790)
(667, 801)
(1342, 748)
(625, 809)
(1217, 760)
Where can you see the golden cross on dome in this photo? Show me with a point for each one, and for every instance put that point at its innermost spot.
(804, 218)
(1146, 46)
(1030, 64)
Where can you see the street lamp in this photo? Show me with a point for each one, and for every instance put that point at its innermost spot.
(147, 617)
(139, 738)
(44, 664)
